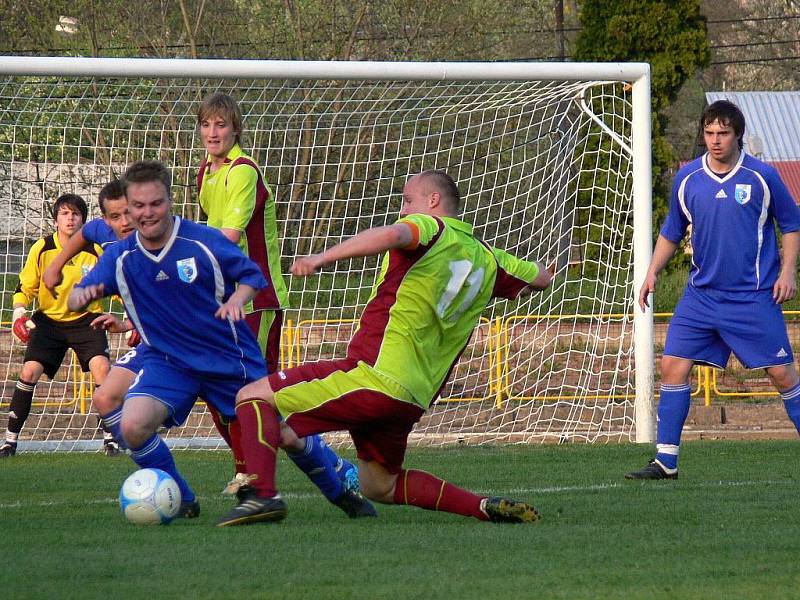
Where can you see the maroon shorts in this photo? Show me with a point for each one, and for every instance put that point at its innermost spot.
(342, 395)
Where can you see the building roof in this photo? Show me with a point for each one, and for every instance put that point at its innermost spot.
(772, 131)
(789, 171)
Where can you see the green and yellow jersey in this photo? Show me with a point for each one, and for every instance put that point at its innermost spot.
(235, 196)
(30, 279)
(427, 301)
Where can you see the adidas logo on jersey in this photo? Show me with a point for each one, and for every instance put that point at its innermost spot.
(781, 353)
(721, 194)
(162, 276)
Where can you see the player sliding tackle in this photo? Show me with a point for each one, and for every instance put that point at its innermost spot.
(185, 288)
(436, 279)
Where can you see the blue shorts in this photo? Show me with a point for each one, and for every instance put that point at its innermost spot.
(708, 324)
(178, 388)
(131, 360)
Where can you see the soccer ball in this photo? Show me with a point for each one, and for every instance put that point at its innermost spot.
(150, 497)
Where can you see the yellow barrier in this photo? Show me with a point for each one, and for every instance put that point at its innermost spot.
(497, 348)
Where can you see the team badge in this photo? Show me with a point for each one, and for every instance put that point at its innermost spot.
(742, 193)
(85, 270)
(187, 269)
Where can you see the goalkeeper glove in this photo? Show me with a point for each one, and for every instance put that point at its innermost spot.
(133, 338)
(22, 325)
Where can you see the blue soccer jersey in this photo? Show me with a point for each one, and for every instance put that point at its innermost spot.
(172, 296)
(99, 232)
(733, 223)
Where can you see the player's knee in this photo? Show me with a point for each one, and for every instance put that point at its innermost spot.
(376, 487)
(106, 399)
(783, 376)
(31, 372)
(244, 394)
(675, 370)
(134, 433)
(257, 389)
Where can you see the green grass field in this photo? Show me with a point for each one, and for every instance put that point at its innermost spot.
(728, 528)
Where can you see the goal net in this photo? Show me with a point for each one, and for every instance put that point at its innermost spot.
(545, 157)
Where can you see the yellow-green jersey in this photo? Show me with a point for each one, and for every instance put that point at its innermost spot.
(235, 196)
(30, 279)
(427, 301)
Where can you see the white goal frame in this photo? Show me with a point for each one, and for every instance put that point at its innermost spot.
(635, 74)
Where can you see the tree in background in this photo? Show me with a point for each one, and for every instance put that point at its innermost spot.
(671, 36)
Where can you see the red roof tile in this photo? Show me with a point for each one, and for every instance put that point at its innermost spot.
(790, 173)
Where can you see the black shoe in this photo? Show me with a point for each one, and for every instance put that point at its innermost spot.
(505, 510)
(188, 510)
(653, 470)
(254, 509)
(111, 448)
(8, 449)
(355, 505)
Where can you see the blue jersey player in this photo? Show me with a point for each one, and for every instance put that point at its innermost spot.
(185, 287)
(737, 281)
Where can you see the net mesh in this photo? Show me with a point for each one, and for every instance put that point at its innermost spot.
(544, 169)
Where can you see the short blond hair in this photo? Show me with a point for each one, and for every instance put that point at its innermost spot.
(221, 105)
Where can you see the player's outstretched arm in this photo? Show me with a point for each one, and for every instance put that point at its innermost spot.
(785, 287)
(664, 250)
(367, 243)
(51, 278)
(81, 297)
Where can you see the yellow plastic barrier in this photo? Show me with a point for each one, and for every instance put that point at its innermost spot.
(497, 348)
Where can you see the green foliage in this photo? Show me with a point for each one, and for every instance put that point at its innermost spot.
(730, 518)
(671, 36)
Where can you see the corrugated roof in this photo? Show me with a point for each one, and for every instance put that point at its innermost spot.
(771, 117)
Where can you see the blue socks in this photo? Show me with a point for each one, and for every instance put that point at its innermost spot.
(316, 462)
(111, 422)
(154, 454)
(791, 400)
(346, 471)
(673, 408)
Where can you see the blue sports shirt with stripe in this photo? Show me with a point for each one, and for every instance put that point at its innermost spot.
(99, 232)
(171, 296)
(733, 219)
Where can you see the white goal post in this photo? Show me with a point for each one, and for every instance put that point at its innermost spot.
(553, 161)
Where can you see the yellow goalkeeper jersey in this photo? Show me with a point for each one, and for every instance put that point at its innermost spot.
(30, 279)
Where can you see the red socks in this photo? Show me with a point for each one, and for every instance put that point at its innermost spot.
(231, 432)
(260, 434)
(427, 491)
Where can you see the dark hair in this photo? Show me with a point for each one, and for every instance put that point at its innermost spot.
(145, 171)
(73, 201)
(728, 114)
(445, 185)
(113, 190)
(224, 106)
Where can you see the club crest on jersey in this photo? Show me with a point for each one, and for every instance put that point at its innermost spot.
(742, 193)
(187, 269)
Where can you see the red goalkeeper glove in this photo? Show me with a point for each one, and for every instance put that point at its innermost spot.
(22, 325)
(133, 338)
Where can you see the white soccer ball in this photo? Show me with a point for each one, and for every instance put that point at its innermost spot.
(150, 497)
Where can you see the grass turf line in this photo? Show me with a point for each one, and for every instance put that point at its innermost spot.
(728, 528)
